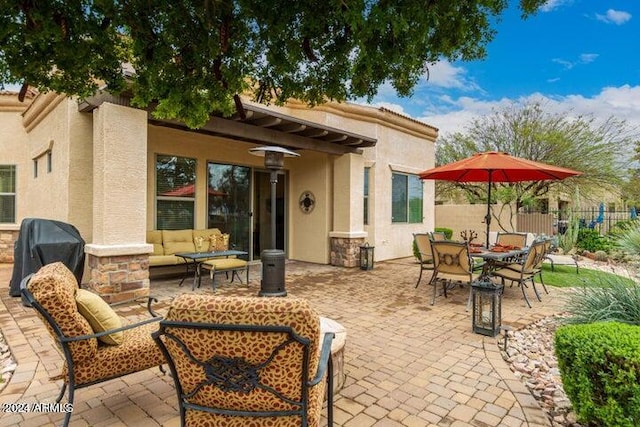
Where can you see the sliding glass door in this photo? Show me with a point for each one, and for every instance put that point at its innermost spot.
(229, 202)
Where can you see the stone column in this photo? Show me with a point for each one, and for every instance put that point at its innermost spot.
(348, 210)
(119, 255)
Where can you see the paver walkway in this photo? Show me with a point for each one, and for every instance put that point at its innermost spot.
(407, 363)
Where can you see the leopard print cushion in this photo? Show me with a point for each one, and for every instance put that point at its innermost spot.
(137, 352)
(54, 287)
(283, 374)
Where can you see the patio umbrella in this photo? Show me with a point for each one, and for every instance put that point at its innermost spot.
(494, 166)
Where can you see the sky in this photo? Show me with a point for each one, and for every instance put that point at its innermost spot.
(576, 56)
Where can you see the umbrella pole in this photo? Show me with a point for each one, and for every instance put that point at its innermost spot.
(487, 218)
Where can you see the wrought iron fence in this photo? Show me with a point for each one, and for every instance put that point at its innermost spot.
(556, 222)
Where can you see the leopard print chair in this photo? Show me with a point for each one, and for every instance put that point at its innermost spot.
(247, 362)
(52, 292)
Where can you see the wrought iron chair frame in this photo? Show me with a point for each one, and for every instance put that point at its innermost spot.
(215, 373)
(526, 270)
(467, 276)
(64, 342)
(426, 260)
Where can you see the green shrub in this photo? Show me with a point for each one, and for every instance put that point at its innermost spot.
(612, 298)
(416, 251)
(600, 369)
(447, 232)
(591, 240)
(628, 238)
(600, 256)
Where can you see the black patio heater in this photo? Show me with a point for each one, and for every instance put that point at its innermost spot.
(272, 283)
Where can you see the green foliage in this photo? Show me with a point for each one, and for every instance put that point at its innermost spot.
(448, 232)
(628, 238)
(532, 131)
(590, 240)
(416, 251)
(193, 58)
(600, 368)
(564, 276)
(567, 241)
(600, 256)
(605, 298)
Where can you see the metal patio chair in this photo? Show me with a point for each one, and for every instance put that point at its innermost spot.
(518, 240)
(425, 255)
(453, 263)
(52, 292)
(247, 361)
(525, 270)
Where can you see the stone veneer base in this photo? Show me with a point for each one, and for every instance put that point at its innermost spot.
(345, 252)
(119, 278)
(7, 240)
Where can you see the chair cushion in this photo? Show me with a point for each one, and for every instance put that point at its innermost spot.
(100, 315)
(137, 352)
(283, 374)
(154, 237)
(175, 241)
(54, 287)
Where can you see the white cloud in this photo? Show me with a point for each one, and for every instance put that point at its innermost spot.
(617, 17)
(621, 102)
(445, 75)
(586, 58)
(551, 5)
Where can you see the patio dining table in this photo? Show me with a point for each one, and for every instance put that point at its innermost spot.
(493, 257)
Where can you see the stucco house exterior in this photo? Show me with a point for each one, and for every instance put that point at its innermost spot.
(115, 171)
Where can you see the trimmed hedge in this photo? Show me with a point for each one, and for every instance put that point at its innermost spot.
(600, 368)
(447, 232)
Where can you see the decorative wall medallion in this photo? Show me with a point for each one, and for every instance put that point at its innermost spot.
(307, 201)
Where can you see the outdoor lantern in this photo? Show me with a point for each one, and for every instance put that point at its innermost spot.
(272, 283)
(487, 307)
(366, 257)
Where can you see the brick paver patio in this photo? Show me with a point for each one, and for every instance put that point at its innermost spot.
(407, 363)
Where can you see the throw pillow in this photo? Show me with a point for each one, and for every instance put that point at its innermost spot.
(213, 242)
(218, 242)
(100, 316)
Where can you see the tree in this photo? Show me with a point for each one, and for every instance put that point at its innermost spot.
(631, 189)
(193, 58)
(529, 130)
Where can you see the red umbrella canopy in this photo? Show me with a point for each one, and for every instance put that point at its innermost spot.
(495, 166)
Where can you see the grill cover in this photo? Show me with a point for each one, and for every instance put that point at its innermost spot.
(44, 241)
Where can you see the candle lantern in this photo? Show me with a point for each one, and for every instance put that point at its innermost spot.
(487, 307)
(366, 257)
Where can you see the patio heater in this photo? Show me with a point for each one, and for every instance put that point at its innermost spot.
(272, 283)
(487, 307)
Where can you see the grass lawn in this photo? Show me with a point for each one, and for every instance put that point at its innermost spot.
(565, 276)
